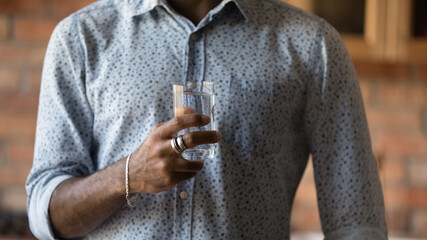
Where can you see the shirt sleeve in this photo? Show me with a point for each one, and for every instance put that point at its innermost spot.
(350, 199)
(64, 125)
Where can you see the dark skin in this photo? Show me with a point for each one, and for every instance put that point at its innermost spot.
(194, 10)
(80, 204)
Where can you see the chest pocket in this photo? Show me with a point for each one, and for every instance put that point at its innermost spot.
(248, 113)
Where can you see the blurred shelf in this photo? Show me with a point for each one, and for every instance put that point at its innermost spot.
(393, 30)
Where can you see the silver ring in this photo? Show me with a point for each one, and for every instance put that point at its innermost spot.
(175, 145)
(181, 143)
(178, 144)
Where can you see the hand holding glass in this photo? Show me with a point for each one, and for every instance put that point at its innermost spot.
(196, 98)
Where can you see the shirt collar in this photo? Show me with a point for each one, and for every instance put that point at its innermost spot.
(134, 8)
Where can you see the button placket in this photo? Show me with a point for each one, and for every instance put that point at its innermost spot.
(196, 57)
(184, 209)
(194, 37)
(183, 195)
(195, 67)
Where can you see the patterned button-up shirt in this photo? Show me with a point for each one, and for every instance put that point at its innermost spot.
(285, 89)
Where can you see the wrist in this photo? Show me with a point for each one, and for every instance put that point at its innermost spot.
(119, 186)
(128, 196)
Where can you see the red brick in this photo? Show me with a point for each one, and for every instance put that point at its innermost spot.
(397, 219)
(14, 198)
(395, 197)
(403, 95)
(34, 81)
(308, 177)
(393, 172)
(419, 223)
(9, 80)
(388, 119)
(69, 6)
(306, 195)
(20, 152)
(405, 144)
(421, 72)
(379, 156)
(34, 29)
(418, 173)
(21, 55)
(14, 175)
(4, 28)
(365, 87)
(306, 192)
(385, 71)
(416, 198)
(305, 219)
(2, 152)
(424, 120)
(16, 104)
(305, 215)
(17, 126)
(22, 6)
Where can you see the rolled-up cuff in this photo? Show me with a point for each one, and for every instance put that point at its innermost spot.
(38, 206)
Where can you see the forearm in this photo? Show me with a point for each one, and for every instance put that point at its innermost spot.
(79, 205)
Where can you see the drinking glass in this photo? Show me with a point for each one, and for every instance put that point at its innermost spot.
(196, 98)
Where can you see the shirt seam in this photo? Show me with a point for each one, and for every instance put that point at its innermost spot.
(314, 54)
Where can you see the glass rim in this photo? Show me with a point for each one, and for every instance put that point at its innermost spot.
(204, 83)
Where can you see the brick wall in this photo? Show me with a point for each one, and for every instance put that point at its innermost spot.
(395, 98)
(25, 28)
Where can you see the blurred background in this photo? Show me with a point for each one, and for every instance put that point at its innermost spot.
(387, 40)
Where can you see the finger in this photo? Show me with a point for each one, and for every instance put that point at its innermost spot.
(183, 110)
(183, 165)
(157, 126)
(193, 139)
(173, 126)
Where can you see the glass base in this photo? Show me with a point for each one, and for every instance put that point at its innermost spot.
(198, 154)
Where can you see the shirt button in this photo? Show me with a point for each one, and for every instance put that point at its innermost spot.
(194, 37)
(183, 195)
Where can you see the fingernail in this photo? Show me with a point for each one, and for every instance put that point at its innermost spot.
(205, 119)
(218, 136)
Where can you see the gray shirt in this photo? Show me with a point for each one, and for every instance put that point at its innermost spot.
(285, 89)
